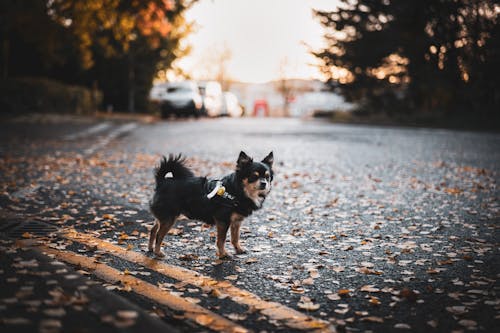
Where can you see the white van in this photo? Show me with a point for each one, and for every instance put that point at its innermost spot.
(177, 98)
(211, 93)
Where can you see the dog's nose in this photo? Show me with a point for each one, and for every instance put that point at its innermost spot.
(263, 185)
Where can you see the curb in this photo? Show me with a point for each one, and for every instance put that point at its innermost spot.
(45, 295)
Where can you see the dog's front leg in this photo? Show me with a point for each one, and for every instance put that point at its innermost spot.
(236, 221)
(222, 228)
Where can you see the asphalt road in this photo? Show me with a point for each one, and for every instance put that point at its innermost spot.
(366, 228)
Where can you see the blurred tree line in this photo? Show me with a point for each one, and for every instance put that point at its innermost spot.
(434, 56)
(115, 46)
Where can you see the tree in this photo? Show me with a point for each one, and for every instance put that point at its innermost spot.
(430, 55)
(214, 65)
(284, 85)
(31, 43)
(123, 43)
(116, 45)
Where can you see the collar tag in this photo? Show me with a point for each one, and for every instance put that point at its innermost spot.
(220, 190)
(217, 189)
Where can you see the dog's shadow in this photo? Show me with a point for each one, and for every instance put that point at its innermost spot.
(223, 268)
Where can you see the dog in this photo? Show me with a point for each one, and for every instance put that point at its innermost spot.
(221, 202)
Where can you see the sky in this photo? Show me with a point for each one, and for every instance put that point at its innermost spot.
(261, 36)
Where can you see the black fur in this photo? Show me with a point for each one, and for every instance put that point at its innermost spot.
(186, 194)
(183, 193)
(174, 164)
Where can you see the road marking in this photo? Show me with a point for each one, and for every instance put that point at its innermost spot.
(273, 310)
(26, 191)
(87, 132)
(192, 311)
(29, 190)
(108, 138)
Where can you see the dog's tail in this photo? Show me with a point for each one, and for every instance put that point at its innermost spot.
(175, 165)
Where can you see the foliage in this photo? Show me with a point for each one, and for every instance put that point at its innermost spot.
(284, 86)
(31, 43)
(115, 45)
(415, 55)
(43, 95)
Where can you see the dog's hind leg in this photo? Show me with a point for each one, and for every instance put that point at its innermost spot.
(165, 226)
(152, 235)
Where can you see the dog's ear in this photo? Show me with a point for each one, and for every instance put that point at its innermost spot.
(243, 160)
(269, 160)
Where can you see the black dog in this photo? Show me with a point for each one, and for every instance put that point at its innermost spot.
(224, 202)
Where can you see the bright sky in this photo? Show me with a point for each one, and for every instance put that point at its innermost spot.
(260, 34)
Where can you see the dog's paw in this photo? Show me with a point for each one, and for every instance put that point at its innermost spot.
(223, 255)
(240, 250)
(159, 254)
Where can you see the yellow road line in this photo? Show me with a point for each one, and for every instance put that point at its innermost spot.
(273, 310)
(190, 310)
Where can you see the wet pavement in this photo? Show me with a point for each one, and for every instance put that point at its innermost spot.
(366, 228)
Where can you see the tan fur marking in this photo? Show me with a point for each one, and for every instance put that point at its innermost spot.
(221, 239)
(252, 191)
(157, 234)
(236, 220)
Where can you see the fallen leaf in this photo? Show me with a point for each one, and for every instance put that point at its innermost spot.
(192, 300)
(342, 311)
(333, 297)
(237, 316)
(343, 292)
(373, 319)
(402, 326)
(369, 288)
(16, 321)
(127, 314)
(457, 309)
(308, 281)
(410, 295)
(203, 319)
(309, 306)
(467, 323)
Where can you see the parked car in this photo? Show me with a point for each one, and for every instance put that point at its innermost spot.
(157, 92)
(231, 106)
(178, 98)
(211, 93)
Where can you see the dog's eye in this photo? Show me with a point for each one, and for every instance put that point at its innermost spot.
(252, 178)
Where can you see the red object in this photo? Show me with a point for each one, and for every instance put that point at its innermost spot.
(260, 108)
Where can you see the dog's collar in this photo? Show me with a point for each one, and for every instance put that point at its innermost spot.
(220, 196)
